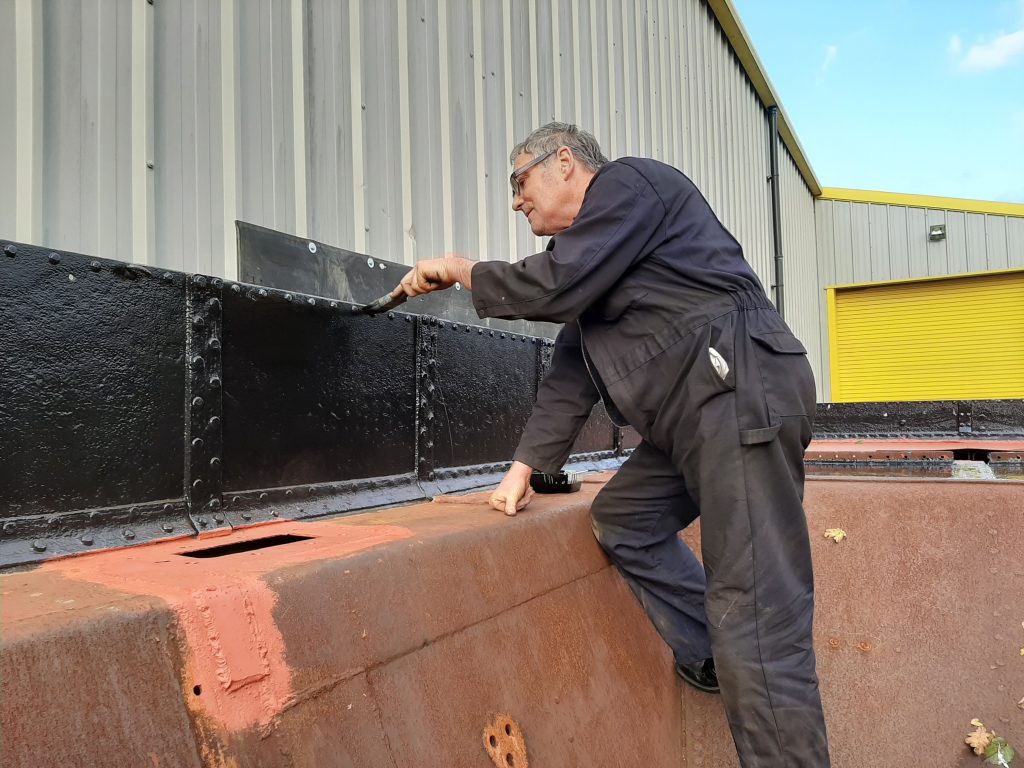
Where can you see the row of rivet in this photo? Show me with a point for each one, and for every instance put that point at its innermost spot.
(426, 385)
(204, 384)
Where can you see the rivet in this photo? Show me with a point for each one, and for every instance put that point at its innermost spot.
(71, 278)
(95, 266)
(215, 382)
(430, 443)
(288, 492)
(168, 507)
(54, 522)
(202, 522)
(430, 475)
(214, 503)
(167, 277)
(199, 280)
(55, 258)
(87, 540)
(12, 251)
(38, 545)
(246, 516)
(197, 361)
(491, 333)
(197, 442)
(218, 283)
(287, 297)
(129, 534)
(198, 402)
(214, 422)
(235, 499)
(198, 322)
(391, 315)
(9, 527)
(197, 483)
(263, 496)
(218, 518)
(167, 527)
(312, 247)
(262, 292)
(213, 343)
(215, 462)
(479, 331)
(503, 335)
(274, 512)
(235, 287)
(311, 301)
(334, 305)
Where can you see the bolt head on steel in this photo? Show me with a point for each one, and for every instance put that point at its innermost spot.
(167, 527)
(10, 250)
(54, 258)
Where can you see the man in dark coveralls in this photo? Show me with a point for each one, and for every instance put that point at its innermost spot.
(666, 321)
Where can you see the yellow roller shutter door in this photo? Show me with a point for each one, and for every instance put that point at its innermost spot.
(943, 339)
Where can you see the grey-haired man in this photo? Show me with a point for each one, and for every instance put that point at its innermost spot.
(669, 325)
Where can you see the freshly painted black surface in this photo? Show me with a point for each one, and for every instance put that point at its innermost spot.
(477, 368)
(138, 404)
(279, 260)
(91, 383)
(314, 394)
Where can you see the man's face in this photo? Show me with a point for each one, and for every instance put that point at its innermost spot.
(546, 197)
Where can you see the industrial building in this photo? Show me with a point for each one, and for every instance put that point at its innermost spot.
(143, 130)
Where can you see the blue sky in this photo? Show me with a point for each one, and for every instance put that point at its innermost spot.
(901, 96)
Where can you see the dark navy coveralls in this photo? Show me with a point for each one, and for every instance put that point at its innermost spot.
(646, 280)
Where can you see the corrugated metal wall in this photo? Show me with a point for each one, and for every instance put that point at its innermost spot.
(868, 242)
(803, 299)
(381, 126)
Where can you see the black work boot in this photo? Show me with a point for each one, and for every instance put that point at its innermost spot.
(700, 674)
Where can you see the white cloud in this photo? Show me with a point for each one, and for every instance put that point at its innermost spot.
(831, 52)
(995, 54)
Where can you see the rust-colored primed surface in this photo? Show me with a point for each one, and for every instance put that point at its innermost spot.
(393, 638)
(900, 445)
(918, 624)
(894, 454)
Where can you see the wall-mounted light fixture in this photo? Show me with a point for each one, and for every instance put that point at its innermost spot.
(937, 232)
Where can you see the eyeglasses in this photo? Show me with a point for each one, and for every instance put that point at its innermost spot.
(516, 177)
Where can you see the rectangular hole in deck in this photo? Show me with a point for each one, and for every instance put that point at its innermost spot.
(245, 546)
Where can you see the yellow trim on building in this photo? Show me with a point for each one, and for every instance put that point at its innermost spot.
(833, 345)
(729, 21)
(956, 276)
(922, 201)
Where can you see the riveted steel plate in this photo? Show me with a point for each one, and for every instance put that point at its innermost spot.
(314, 393)
(485, 384)
(91, 382)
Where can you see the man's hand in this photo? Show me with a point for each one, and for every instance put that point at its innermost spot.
(514, 492)
(435, 275)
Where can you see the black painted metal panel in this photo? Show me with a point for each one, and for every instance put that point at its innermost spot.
(314, 393)
(598, 434)
(279, 260)
(91, 383)
(485, 382)
(998, 418)
(886, 419)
